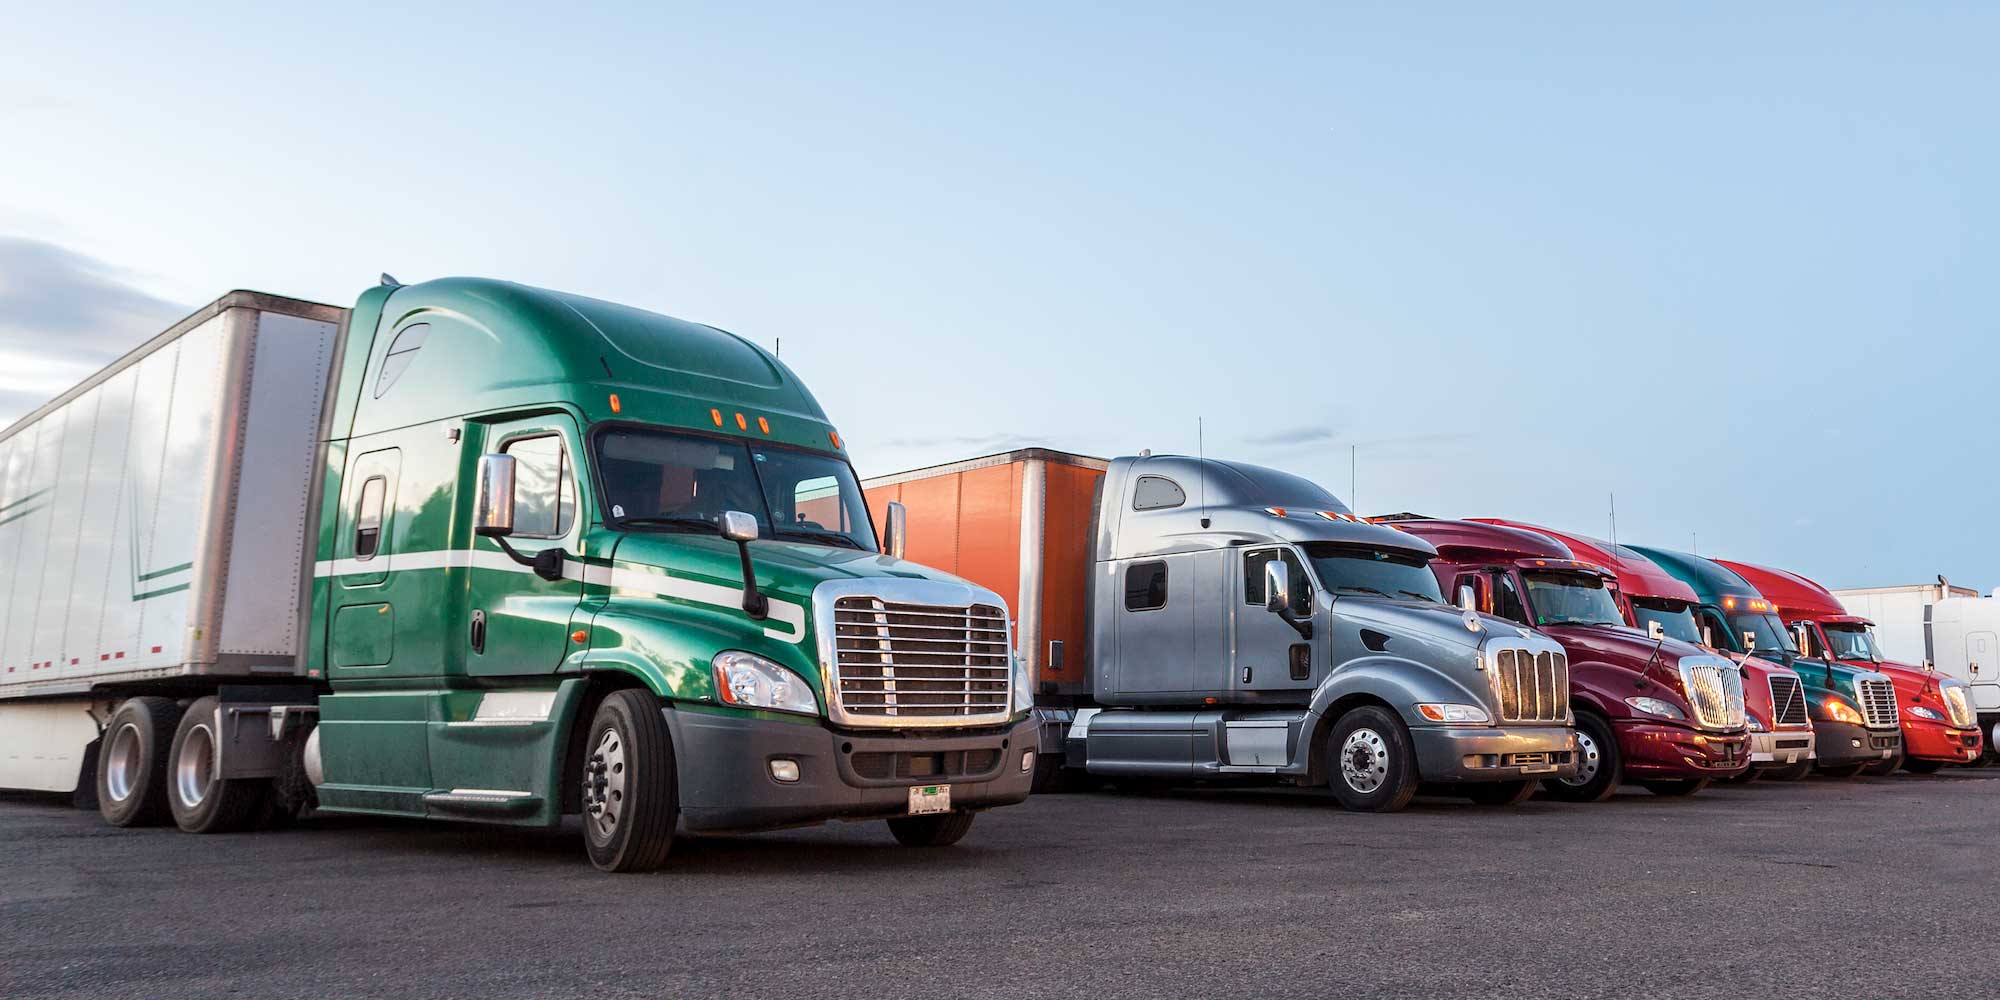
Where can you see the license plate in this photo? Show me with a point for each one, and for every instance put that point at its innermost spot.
(1886, 754)
(929, 799)
(1791, 758)
(1544, 769)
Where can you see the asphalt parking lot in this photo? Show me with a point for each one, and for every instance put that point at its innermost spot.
(1878, 887)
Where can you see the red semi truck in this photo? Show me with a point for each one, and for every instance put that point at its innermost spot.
(1662, 712)
(1940, 724)
(1656, 602)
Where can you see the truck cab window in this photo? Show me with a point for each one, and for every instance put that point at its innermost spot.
(1253, 579)
(402, 351)
(657, 480)
(1146, 586)
(1157, 493)
(368, 518)
(1507, 601)
(544, 494)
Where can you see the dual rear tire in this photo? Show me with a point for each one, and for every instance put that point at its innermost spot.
(157, 762)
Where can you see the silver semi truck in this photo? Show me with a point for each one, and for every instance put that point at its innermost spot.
(1190, 619)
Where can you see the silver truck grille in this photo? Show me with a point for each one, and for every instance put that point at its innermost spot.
(1788, 702)
(1533, 685)
(1878, 701)
(1714, 691)
(897, 662)
(1957, 704)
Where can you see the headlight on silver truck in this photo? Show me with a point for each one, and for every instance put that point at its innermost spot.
(1024, 686)
(747, 680)
(1464, 715)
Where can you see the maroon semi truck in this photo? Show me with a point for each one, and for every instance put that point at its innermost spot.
(1661, 712)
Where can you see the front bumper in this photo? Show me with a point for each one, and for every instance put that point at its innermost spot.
(724, 768)
(1457, 753)
(1653, 750)
(1843, 743)
(1782, 748)
(1926, 740)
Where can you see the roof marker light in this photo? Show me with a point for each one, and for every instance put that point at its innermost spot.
(834, 437)
(764, 425)
(614, 403)
(741, 424)
(715, 415)
(1275, 511)
(1729, 603)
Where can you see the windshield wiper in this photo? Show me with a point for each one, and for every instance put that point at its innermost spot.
(680, 521)
(1426, 598)
(1360, 589)
(825, 537)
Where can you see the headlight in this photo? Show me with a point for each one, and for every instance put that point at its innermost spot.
(1654, 706)
(1838, 710)
(1753, 723)
(747, 680)
(1470, 715)
(1024, 686)
(1925, 713)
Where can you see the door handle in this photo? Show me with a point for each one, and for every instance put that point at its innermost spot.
(478, 635)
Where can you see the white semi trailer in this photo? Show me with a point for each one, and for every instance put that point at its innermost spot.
(1953, 629)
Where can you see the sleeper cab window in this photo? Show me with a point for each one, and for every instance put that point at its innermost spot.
(1157, 493)
(544, 494)
(368, 518)
(1146, 586)
(403, 350)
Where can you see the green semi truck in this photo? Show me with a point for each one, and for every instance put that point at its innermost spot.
(472, 550)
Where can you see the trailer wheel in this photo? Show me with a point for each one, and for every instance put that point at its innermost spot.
(1915, 766)
(202, 801)
(1679, 788)
(132, 763)
(1370, 763)
(1599, 767)
(1501, 793)
(630, 797)
(931, 831)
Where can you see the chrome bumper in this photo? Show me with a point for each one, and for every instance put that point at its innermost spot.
(1765, 749)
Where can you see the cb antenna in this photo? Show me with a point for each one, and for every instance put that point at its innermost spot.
(1201, 466)
(1614, 522)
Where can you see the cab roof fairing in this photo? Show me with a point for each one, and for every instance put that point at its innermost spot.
(1237, 499)
(1795, 595)
(1637, 575)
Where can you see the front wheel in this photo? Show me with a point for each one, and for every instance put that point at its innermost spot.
(940, 830)
(1373, 765)
(630, 796)
(1922, 766)
(1676, 789)
(1599, 768)
(1501, 793)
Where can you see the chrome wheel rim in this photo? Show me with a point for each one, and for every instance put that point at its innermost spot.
(1364, 760)
(194, 770)
(604, 785)
(1588, 760)
(122, 763)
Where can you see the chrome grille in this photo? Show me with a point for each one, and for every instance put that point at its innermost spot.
(1878, 700)
(1958, 705)
(1714, 691)
(1532, 685)
(1788, 702)
(896, 662)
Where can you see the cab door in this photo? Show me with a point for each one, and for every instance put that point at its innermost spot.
(1269, 654)
(517, 622)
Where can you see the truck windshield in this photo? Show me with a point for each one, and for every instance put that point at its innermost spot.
(1372, 572)
(1766, 632)
(1674, 616)
(1852, 642)
(664, 481)
(1571, 599)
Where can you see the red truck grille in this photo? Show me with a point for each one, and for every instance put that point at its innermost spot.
(901, 661)
(1788, 702)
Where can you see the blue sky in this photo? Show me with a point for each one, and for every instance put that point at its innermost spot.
(1730, 264)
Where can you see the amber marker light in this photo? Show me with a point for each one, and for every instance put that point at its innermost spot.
(742, 424)
(579, 637)
(833, 437)
(1275, 511)
(614, 403)
(1729, 603)
(764, 425)
(715, 415)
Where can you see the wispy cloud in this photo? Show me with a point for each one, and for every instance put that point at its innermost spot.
(1308, 434)
(63, 315)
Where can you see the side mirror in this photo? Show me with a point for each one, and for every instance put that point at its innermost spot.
(1656, 629)
(493, 502)
(1468, 599)
(1277, 587)
(1803, 636)
(1749, 642)
(896, 531)
(1708, 636)
(738, 526)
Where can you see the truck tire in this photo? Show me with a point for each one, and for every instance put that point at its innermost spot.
(631, 793)
(1370, 763)
(132, 764)
(1915, 766)
(1789, 772)
(941, 830)
(201, 801)
(1678, 788)
(1599, 767)
(1501, 793)
(1841, 772)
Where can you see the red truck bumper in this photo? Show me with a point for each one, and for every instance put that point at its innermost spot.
(1937, 741)
(1659, 751)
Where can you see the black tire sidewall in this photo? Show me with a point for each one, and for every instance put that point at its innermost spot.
(1610, 764)
(230, 804)
(1399, 786)
(640, 840)
(154, 721)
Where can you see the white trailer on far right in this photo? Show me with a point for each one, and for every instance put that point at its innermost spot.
(1953, 629)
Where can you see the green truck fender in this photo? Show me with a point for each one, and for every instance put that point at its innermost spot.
(669, 648)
